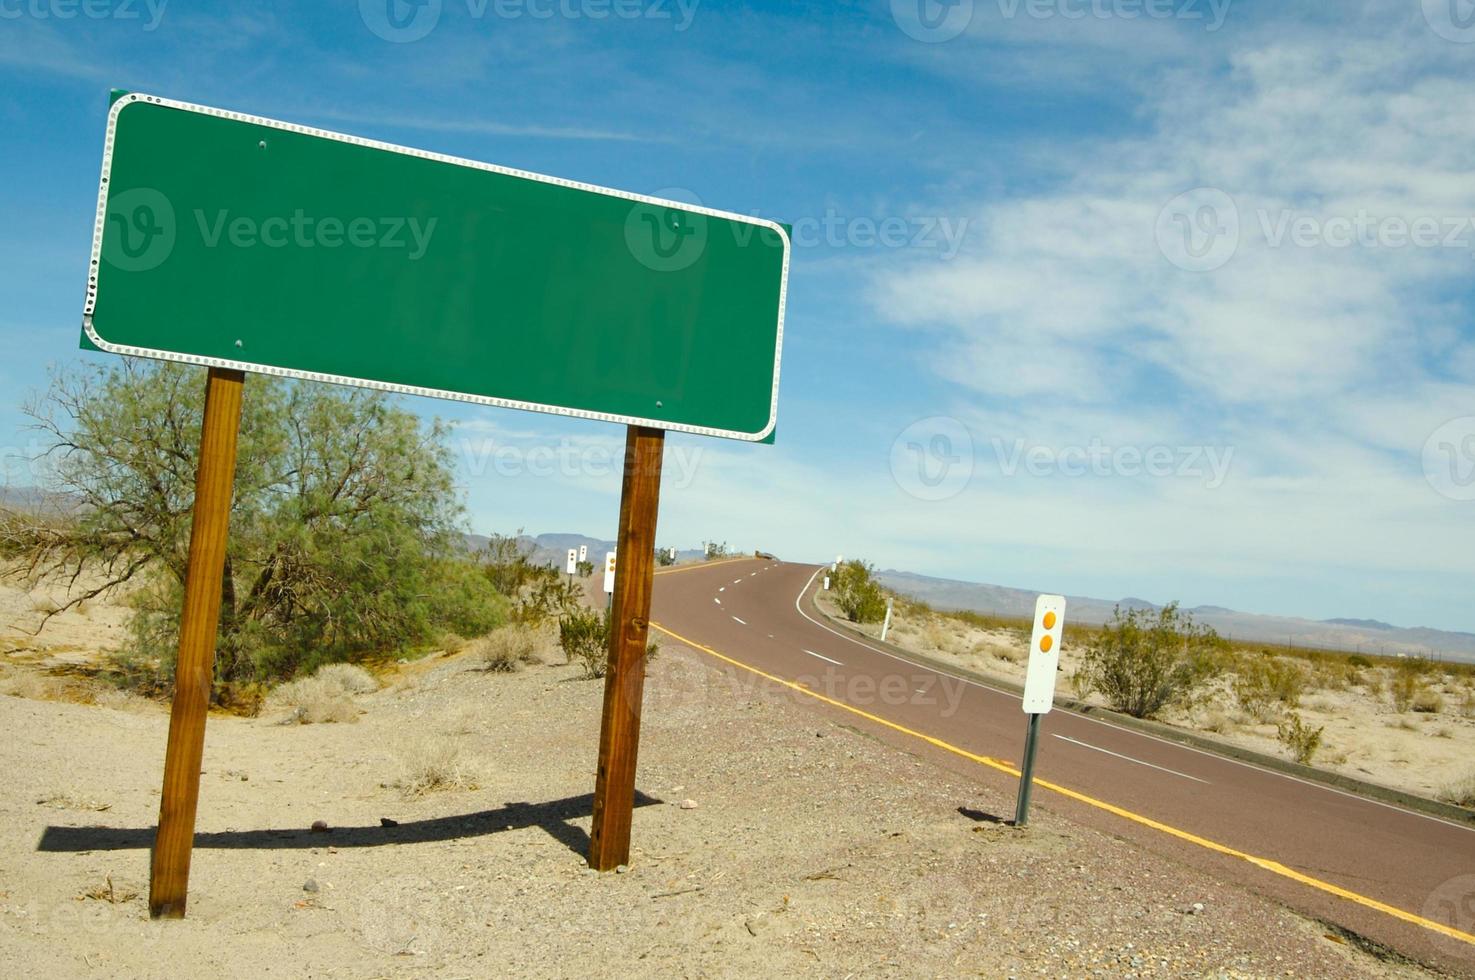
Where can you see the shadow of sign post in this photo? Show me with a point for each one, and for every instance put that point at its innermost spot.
(249, 245)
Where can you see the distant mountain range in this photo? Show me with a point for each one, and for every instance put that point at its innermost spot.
(1365, 635)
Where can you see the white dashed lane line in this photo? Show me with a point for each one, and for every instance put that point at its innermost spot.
(1128, 758)
(824, 658)
(739, 621)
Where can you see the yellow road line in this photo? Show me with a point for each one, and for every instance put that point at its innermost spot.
(1274, 867)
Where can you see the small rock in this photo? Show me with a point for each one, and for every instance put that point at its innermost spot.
(621, 868)
(245, 778)
(386, 822)
(310, 886)
(688, 804)
(1195, 908)
(320, 826)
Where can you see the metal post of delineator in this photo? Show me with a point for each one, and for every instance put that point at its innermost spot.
(1027, 772)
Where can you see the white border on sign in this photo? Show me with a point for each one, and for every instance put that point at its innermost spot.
(95, 266)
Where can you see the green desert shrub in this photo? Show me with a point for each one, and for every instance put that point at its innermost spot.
(857, 593)
(1265, 685)
(1143, 663)
(1299, 738)
(345, 524)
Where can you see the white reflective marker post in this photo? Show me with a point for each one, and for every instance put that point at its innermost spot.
(1039, 689)
(886, 623)
(609, 577)
(573, 564)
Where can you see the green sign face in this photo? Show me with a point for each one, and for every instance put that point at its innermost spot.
(234, 241)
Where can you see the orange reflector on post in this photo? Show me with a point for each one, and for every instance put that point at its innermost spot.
(1046, 642)
(1050, 621)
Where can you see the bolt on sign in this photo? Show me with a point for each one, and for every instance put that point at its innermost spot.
(249, 245)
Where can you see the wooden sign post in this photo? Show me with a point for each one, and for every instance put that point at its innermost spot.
(629, 627)
(215, 474)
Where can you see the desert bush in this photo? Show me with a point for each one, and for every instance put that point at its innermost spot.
(1461, 793)
(936, 637)
(312, 701)
(716, 551)
(538, 592)
(1299, 738)
(1359, 661)
(1427, 702)
(583, 634)
(1267, 685)
(345, 522)
(1143, 664)
(1217, 721)
(324, 697)
(857, 592)
(506, 649)
(350, 678)
(663, 557)
(430, 764)
(1404, 688)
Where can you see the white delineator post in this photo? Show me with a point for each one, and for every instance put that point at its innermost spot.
(886, 623)
(1039, 689)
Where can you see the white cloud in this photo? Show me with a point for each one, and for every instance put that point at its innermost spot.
(1325, 366)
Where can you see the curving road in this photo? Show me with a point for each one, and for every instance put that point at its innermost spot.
(1401, 879)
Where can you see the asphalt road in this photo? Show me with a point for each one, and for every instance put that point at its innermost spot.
(1378, 871)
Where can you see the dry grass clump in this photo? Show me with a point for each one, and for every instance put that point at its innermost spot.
(323, 698)
(506, 649)
(1428, 702)
(36, 687)
(1217, 721)
(1461, 793)
(432, 764)
(351, 678)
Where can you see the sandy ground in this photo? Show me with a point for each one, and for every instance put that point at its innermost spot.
(774, 842)
(1420, 752)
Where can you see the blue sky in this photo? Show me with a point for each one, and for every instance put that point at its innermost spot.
(1176, 301)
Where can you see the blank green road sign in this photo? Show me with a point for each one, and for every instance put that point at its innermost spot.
(234, 241)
